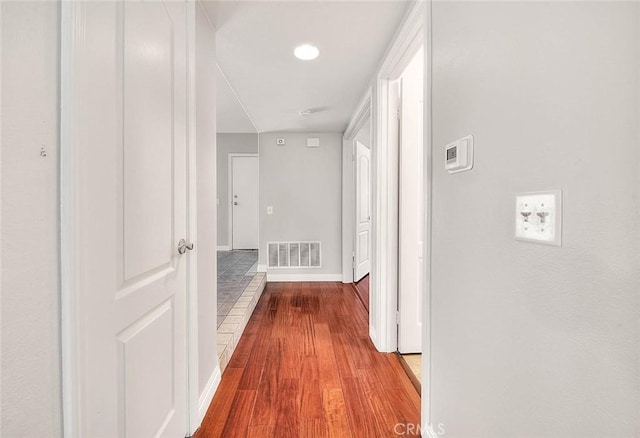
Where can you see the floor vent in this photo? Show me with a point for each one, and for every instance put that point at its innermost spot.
(294, 255)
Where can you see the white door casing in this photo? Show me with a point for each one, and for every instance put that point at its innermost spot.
(244, 173)
(363, 211)
(411, 208)
(124, 209)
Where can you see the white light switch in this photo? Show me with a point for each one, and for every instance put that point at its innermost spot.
(269, 210)
(539, 217)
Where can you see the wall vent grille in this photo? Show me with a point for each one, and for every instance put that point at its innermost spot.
(294, 254)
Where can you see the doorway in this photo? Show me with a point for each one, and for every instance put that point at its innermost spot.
(410, 205)
(408, 100)
(243, 187)
(362, 197)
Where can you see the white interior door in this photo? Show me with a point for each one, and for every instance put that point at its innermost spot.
(411, 209)
(363, 211)
(244, 202)
(127, 136)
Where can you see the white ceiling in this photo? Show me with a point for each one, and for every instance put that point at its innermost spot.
(255, 42)
(230, 115)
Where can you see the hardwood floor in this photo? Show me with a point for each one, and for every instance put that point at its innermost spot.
(305, 367)
(362, 288)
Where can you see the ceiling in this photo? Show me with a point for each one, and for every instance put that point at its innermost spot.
(230, 115)
(255, 43)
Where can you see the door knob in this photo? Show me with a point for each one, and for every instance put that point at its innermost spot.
(235, 203)
(183, 246)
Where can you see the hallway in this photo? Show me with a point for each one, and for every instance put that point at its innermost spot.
(305, 367)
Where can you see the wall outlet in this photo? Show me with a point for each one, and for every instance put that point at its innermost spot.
(539, 217)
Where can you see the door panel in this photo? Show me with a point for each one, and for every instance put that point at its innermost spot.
(146, 373)
(128, 131)
(148, 124)
(244, 202)
(363, 211)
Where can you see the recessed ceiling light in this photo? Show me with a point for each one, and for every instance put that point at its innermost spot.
(306, 52)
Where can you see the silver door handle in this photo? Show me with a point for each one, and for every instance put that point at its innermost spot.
(183, 246)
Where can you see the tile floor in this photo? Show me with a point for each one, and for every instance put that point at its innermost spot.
(231, 327)
(239, 288)
(236, 269)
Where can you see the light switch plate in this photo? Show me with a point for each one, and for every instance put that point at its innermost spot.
(269, 209)
(539, 217)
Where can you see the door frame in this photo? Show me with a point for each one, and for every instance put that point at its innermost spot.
(363, 114)
(230, 158)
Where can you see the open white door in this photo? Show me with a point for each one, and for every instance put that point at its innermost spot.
(411, 210)
(124, 211)
(363, 211)
(244, 201)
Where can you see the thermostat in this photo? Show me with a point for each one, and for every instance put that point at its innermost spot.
(459, 155)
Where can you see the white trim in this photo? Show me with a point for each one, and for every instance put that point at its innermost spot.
(71, 20)
(223, 248)
(361, 116)
(430, 432)
(193, 422)
(230, 157)
(302, 277)
(428, 206)
(207, 394)
(262, 268)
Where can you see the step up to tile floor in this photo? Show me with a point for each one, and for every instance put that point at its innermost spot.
(232, 326)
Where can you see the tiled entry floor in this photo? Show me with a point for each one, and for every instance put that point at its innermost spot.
(236, 269)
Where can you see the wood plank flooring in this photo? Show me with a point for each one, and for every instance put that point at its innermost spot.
(305, 367)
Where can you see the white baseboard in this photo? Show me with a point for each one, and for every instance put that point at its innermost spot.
(224, 248)
(274, 276)
(262, 268)
(431, 433)
(209, 390)
(373, 335)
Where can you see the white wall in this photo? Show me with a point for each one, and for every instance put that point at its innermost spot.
(533, 340)
(229, 143)
(206, 183)
(304, 187)
(30, 386)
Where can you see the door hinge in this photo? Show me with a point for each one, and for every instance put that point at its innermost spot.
(398, 113)
(353, 260)
(397, 317)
